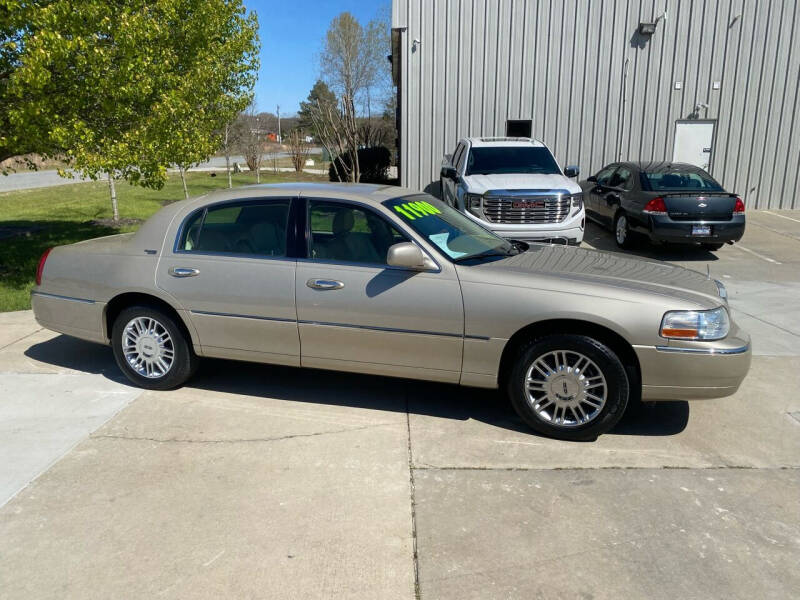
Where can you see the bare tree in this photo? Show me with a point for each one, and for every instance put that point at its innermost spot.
(298, 149)
(230, 140)
(251, 141)
(337, 131)
(353, 59)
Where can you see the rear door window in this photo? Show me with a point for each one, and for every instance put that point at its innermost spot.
(254, 228)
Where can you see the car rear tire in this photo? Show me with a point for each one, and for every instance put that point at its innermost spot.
(568, 386)
(622, 231)
(151, 349)
(712, 247)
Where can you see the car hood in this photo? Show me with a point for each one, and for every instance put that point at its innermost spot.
(600, 272)
(478, 184)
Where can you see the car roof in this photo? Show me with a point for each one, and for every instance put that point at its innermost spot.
(660, 166)
(478, 142)
(363, 192)
(151, 230)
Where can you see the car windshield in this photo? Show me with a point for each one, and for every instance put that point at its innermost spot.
(679, 180)
(457, 236)
(511, 159)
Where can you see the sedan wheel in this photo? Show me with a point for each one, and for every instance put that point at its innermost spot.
(565, 388)
(151, 349)
(622, 232)
(569, 386)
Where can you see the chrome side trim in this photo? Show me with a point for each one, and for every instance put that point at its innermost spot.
(60, 297)
(708, 351)
(393, 330)
(232, 315)
(349, 326)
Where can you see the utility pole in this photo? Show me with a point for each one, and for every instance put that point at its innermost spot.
(279, 124)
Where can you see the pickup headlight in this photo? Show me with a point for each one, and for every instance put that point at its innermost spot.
(696, 324)
(473, 203)
(577, 200)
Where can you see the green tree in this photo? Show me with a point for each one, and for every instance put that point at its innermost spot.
(319, 93)
(123, 87)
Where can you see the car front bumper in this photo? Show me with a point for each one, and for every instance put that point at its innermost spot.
(694, 370)
(661, 228)
(569, 231)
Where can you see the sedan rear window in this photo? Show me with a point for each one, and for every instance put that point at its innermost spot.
(678, 180)
(511, 159)
(257, 228)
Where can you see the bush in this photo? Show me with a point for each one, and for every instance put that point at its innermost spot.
(373, 162)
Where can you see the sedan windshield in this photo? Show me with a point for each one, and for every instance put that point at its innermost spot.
(457, 236)
(679, 180)
(511, 159)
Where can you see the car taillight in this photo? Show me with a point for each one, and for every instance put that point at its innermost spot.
(739, 206)
(656, 206)
(40, 268)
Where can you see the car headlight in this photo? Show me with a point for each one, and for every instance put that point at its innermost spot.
(696, 324)
(473, 203)
(577, 200)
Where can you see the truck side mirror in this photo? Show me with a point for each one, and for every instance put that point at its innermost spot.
(450, 173)
(571, 171)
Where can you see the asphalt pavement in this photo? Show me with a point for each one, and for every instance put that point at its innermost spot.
(270, 482)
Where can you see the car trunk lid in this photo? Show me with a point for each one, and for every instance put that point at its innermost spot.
(699, 207)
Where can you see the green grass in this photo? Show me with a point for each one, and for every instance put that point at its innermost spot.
(59, 215)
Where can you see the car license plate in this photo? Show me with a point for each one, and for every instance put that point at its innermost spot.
(701, 229)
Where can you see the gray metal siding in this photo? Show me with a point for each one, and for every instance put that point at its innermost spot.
(598, 92)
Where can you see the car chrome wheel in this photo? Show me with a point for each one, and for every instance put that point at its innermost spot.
(621, 229)
(565, 388)
(148, 347)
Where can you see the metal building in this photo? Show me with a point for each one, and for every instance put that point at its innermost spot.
(713, 82)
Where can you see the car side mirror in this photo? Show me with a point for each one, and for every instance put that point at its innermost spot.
(406, 255)
(571, 171)
(592, 179)
(450, 173)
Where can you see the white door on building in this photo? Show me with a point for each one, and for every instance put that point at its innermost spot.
(693, 142)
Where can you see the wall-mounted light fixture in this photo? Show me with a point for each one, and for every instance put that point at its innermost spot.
(650, 28)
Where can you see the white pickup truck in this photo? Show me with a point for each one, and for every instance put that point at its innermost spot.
(514, 187)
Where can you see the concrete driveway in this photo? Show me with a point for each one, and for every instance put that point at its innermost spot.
(268, 482)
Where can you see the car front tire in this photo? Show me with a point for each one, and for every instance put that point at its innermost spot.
(623, 235)
(151, 349)
(568, 386)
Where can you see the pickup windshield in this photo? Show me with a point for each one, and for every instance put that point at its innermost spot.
(511, 159)
(458, 237)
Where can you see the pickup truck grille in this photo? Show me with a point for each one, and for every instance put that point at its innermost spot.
(526, 210)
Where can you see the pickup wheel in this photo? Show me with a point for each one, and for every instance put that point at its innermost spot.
(568, 386)
(151, 349)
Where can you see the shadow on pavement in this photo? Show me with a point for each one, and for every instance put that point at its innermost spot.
(602, 239)
(358, 391)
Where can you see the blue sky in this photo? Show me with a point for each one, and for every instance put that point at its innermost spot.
(291, 34)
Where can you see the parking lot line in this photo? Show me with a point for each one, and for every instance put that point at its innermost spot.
(781, 216)
(761, 256)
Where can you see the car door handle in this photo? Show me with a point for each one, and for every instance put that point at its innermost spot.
(324, 284)
(183, 271)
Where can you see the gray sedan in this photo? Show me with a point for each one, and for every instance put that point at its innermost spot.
(666, 202)
(390, 281)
